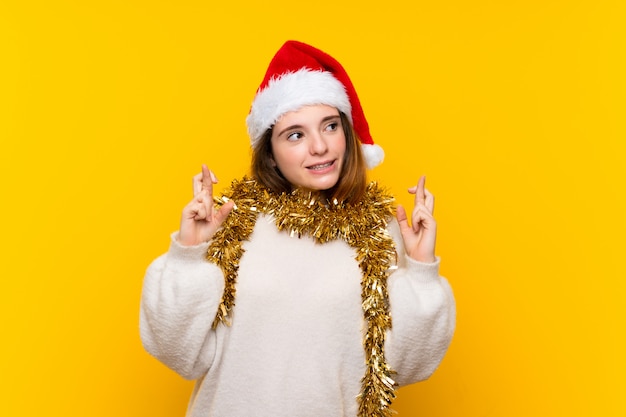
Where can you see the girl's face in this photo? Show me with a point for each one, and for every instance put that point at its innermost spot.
(308, 147)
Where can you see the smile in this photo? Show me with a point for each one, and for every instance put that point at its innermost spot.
(321, 166)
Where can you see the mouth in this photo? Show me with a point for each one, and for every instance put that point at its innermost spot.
(321, 166)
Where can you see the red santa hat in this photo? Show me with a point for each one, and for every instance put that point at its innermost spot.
(300, 75)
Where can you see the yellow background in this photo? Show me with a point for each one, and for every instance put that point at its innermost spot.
(514, 111)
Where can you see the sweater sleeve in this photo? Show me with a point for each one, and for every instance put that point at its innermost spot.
(423, 314)
(181, 292)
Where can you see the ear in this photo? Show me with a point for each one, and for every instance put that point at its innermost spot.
(272, 162)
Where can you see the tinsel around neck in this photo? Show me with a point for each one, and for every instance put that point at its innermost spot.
(362, 225)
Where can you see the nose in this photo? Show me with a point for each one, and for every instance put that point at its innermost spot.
(318, 145)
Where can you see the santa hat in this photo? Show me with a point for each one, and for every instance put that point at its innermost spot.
(300, 75)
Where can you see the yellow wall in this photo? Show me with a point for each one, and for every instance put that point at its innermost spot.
(514, 111)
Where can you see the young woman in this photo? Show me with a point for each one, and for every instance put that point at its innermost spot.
(297, 292)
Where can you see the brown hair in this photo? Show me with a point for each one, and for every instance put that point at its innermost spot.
(352, 181)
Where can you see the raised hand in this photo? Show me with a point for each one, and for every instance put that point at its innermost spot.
(420, 236)
(200, 220)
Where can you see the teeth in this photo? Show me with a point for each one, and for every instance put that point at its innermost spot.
(327, 164)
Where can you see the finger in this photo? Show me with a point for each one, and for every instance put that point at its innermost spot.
(401, 215)
(197, 184)
(195, 210)
(213, 177)
(421, 218)
(207, 179)
(416, 218)
(205, 200)
(223, 212)
(200, 212)
(430, 201)
(420, 196)
(403, 220)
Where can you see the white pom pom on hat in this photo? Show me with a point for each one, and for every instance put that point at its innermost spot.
(300, 75)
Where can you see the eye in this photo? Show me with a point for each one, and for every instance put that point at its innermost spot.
(331, 127)
(292, 137)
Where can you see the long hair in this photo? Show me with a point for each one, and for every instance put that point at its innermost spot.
(352, 181)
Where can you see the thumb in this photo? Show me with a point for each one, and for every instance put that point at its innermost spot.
(223, 212)
(402, 218)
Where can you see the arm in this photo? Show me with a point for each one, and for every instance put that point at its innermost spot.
(182, 289)
(423, 316)
(181, 292)
(423, 310)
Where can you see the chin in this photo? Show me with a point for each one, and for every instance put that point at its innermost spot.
(326, 185)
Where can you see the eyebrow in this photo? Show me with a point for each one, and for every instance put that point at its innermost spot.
(324, 120)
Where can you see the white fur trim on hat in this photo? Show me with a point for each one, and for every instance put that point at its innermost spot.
(373, 155)
(292, 91)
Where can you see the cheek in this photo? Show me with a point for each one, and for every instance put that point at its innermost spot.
(340, 146)
(285, 157)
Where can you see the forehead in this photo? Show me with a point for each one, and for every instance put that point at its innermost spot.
(307, 114)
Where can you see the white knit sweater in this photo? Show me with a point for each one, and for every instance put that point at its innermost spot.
(295, 345)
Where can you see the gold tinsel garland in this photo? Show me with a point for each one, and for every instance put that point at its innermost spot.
(363, 226)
